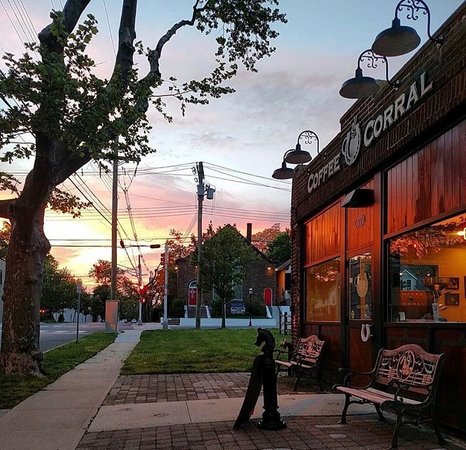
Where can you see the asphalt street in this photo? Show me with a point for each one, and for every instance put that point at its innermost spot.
(55, 334)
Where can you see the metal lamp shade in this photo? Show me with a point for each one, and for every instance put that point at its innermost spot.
(283, 173)
(297, 156)
(395, 41)
(359, 87)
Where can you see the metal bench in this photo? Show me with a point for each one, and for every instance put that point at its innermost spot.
(404, 381)
(304, 359)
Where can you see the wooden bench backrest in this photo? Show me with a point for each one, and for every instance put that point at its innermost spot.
(410, 364)
(310, 347)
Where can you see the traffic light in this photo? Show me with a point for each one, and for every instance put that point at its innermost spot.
(162, 259)
(143, 290)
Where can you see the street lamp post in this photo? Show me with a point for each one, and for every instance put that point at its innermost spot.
(165, 289)
(250, 302)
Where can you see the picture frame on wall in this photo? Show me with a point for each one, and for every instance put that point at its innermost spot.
(454, 283)
(452, 299)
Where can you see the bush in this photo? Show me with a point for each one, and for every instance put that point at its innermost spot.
(257, 309)
(177, 309)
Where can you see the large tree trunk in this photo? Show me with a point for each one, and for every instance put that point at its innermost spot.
(27, 250)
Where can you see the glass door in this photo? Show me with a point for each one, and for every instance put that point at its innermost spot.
(360, 287)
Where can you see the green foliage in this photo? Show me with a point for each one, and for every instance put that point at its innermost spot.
(177, 308)
(225, 256)
(14, 388)
(279, 250)
(59, 287)
(96, 303)
(181, 351)
(5, 234)
(255, 309)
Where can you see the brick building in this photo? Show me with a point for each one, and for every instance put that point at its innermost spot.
(260, 276)
(379, 219)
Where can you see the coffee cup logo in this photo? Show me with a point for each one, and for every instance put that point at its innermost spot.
(352, 144)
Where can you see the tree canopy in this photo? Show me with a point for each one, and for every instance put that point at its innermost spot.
(225, 256)
(73, 117)
(279, 249)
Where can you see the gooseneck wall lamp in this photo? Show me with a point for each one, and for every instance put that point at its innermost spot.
(361, 86)
(398, 39)
(296, 155)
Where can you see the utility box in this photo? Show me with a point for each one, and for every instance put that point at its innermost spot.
(111, 316)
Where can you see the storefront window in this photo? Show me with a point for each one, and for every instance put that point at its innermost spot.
(427, 270)
(360, 287)
(323, 291)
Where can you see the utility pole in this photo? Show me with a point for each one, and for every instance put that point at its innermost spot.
(165, 289)
(202, 189)
(200, 200)
(139, 290)
(111, 306)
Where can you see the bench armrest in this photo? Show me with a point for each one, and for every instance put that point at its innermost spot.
(280, 353)
(402, 387)
(349, 375)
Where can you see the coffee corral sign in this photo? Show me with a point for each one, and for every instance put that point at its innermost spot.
(351, 145)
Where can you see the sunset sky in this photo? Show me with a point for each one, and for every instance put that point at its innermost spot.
(240, 138)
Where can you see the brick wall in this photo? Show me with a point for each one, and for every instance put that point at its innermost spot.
(442, 107)
(439, 110)
(259, 275)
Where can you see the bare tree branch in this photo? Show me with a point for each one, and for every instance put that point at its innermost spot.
(155, 55)
(72, 12)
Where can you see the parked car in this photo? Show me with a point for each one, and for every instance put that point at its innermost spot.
(237, 307)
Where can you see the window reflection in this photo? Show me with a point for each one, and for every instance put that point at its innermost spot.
(323, 291)
(420, 258)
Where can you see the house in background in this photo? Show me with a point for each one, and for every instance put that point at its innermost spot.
(283, 276)
(260, 280)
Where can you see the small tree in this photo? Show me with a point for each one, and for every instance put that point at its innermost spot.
(59, 289)
(225, 256)
(279, 250)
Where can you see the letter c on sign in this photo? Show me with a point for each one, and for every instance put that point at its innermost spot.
(309, 183)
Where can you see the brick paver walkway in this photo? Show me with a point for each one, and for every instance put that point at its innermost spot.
(308, 432)
(365, 432)
(189, 386)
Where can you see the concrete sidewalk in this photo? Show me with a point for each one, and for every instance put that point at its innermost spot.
(58, 416)
(93, 408)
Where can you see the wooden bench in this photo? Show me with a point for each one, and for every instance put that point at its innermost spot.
(305, 358)
(404, 381)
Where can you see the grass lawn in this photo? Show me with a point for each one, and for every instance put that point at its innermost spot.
(14, 389)
(181, 351)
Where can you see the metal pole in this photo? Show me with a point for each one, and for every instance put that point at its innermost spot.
(250, 302)
(113, 287)
(139, 290)
(200, 199)
(165, 290)
(78, 290)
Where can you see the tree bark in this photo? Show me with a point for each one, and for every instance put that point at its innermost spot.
(27, 250)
